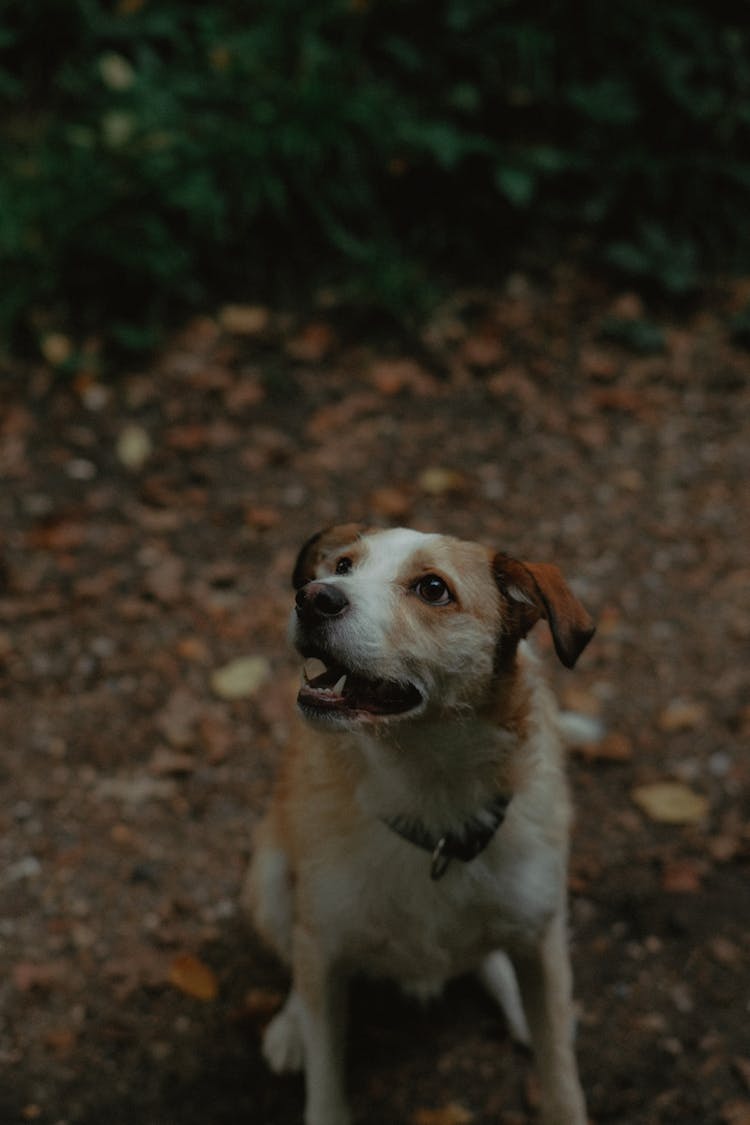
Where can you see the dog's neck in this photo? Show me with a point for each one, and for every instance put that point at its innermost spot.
(438, 773)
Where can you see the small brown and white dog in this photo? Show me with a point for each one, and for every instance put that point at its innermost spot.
(420, 823)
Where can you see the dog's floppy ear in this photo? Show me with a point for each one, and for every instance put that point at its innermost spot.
(322, 543)
(534, 590)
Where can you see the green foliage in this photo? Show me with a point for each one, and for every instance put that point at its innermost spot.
(157, 154)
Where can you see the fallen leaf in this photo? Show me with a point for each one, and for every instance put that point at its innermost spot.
(438, 481)
(193, 648)
(261, 1003)
(28, 975)
(56, 348)
(135, 790)
(164, 580)
(613, 747)
(670, 802)
(313, 343)
(452, 1114)
(484, 349)
(736, 1112)
(217, 737)
(134, 447)
(723, 848)
(169, 763)
(177, 719)
(244, 320)
(681, 876)
(742, 1068)
(190, 975)
(682, 714)
(241, 678)
(727, 953)
(393, 503)
(61, 1040)
(392, 376)
(261, 518)
(57, 533)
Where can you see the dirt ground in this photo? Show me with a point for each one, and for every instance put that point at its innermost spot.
(149, 525)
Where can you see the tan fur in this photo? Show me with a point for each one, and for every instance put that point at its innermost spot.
(335, 891)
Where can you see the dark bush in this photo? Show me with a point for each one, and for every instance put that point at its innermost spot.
(156, 154)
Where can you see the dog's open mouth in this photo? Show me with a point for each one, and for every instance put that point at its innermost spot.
(329, 690)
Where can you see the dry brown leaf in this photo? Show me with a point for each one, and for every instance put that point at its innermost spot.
(29, 974)
(262, 518)
(682, 714)
(313, 343)
(393, 503)
(193, 977)
(742, 1068)
(670, 802)
(165, 763)
(736, 1112)
(261, 1003)
(613, 747)
(165, 579)
(452, 1114)
(682, 876)
(392, 376)
(61, 1040)
(484, 349)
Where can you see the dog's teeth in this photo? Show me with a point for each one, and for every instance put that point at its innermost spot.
(312, 668)
(338, 687)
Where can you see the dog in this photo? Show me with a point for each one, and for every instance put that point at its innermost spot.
(419, 827)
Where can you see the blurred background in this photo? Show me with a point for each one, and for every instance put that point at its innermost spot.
(478, 267)
(156, 156)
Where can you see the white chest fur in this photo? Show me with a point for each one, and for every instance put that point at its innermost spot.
(376, 904)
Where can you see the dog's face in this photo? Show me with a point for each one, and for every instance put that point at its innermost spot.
(409, 625)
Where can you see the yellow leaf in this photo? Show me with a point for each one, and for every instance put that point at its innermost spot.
(133, 447)
(437, 481)
(241, 678)
(245, 320)
(56, 348)
(670, 802)
(190, 975)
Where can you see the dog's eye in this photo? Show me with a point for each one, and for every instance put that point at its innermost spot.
(434, 590)
(344, 565)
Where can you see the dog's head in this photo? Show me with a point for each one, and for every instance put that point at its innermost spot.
(408, 624)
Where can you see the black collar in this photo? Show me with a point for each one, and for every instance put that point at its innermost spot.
(466, 844)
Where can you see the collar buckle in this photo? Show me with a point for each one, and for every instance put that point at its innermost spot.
(440, 860)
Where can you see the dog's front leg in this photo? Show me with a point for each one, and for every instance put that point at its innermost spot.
(544, 977)
(321, 992)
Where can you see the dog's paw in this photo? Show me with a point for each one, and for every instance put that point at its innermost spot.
(328, 1115)
(497, 975)
(283, 1045)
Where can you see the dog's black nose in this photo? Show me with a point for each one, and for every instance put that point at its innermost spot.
(318, 600)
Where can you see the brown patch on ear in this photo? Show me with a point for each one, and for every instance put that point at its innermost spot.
(534, 590)
(326, 542)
